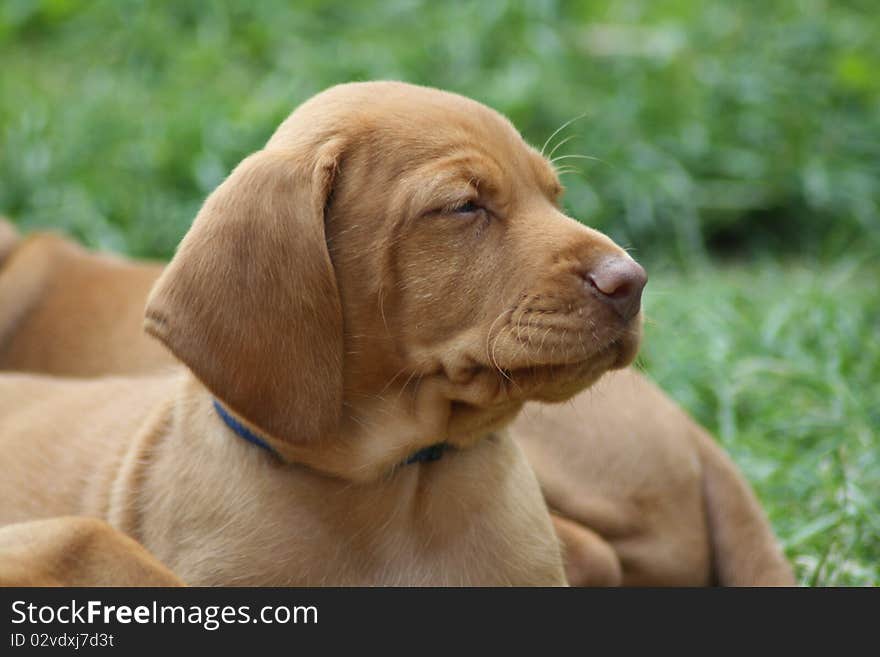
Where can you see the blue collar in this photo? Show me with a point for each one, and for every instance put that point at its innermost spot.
(240, 429)
(431, 453)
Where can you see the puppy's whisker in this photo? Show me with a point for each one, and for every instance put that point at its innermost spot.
(419, 380)
(405, 385)
(544, 338)
(522, 343)
(392, 380)
(560, 129)
(492, 344)
(359, 421)
(563, 346)
(382, 309)
(577, 157)
(558, 144)
(495, 359)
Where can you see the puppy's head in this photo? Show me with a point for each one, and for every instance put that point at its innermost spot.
(393, 252)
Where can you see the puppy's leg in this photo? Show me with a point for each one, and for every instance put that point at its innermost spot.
(589, 560)
(73, 551)
(745, 551)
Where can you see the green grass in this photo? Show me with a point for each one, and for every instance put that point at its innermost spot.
(748, 124)
(782, 362)
(747, 129)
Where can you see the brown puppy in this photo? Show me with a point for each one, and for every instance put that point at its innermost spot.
(66, 311)
(642, 495)
(8, 239)
(377, 372)
(623, 468)
(71, 551)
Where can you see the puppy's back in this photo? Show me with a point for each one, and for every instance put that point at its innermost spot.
(66, 311)
(64, 440)
(8, 239)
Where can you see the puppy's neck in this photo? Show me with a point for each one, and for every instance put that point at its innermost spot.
(403, 428)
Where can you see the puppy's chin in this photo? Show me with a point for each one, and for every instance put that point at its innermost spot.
(560, 381)
(484, 398)
(469, 423)
(627, 346)
(484, 414)
(492, 397)
(557, 383)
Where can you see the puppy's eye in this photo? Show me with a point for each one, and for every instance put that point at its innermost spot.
(466, 208)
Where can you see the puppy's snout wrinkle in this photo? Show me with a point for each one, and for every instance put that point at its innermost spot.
(619, 281)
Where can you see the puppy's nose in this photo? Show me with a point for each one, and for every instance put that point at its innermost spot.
(619, 282)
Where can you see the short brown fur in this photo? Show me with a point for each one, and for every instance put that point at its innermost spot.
(71, 551)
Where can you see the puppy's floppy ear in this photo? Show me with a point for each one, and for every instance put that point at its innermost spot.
(249, 302)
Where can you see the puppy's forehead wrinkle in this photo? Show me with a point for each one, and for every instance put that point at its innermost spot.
(418, 137)
(446, 181)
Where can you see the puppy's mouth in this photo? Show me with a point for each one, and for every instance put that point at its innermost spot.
(549, 373)
(561, 340)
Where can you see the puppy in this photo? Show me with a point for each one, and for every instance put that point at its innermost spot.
(627, 473)
(642, 495)
(76, 552)
(8, 239)
(361, 307)
(70, 312)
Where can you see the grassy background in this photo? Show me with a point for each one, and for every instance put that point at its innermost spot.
(738, 150)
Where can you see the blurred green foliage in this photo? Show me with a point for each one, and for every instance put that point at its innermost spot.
(745, 126)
